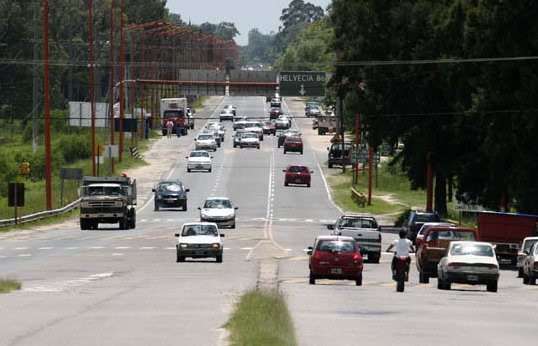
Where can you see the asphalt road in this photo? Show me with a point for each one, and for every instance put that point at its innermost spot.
(112, 287)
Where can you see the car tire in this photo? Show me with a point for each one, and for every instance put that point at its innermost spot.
(520, 273)
(532, 280)
(525, 279)
(308, 185)
(233, 226)
(358, 281)
(286, 183)
(84, 225)
(285, 151)
(209, 170)
(492, 286)
(219, 258)
(179, 258)
(185, 206)
(124, 224)
(156, 205)
(188, 170)
(312, 279)
(301, 152)
(374, 258)
(330, 165)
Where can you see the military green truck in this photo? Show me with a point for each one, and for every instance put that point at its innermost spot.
(107, 200)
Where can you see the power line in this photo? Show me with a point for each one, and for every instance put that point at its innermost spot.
(433, 61)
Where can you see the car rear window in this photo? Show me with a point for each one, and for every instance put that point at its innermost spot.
(194, 230)
(355, 222)
(297, 169)
(426, 217)
(336, 246)
(471, 249)
(293, 139)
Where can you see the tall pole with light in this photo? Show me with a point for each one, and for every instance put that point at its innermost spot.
(91, 82)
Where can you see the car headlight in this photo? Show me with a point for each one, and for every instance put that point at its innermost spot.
(216, 246)
(183, 246)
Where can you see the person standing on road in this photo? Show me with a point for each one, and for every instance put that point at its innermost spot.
(169, 128)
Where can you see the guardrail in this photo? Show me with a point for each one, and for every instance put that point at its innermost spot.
(40, 215)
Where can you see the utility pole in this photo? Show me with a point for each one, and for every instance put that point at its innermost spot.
(340, 108)
(429, 184)
(35, 86)
(357, 147)
(370, 166)
(91, 79)
(46, 107)
(111, 87)
(122, 75)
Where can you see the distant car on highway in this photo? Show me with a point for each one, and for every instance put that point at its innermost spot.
(434, 246)
(364, 229)
(313, 111)
(524, 252)
(219, 210)
(282, 134)
(415, 220)
(218, 128)
(237, 137)
(530, 265)
(199, 240)
(469, 262)
(249, 140)
(269, 127)
(170, 194)
(231, 108)
(276, 102)
(339, 154)
(226, 114)
(293, 144)
(199, 160)
(283, 122)
(275, 112)
(336, 258)
(205, 141)
(297, 175)
(255, 127)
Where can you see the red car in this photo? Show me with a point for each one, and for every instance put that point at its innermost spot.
(274, 113)
(297, 175)
(336, 258)
(293, 143)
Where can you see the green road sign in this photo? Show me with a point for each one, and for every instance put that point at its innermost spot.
(302, 83)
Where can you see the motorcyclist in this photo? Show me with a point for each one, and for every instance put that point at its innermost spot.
(403, 247)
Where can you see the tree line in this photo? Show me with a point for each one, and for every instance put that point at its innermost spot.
(446, 96)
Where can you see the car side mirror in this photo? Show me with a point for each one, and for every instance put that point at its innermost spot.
(525, 252)
(195, 139)
(330, 227)
(236, 208)
(199, 208)
(211, 157)
(222, 235)
(328, 149)
(176, 235)
(187, 157)
(284, 170)
(187, 190)
(152, 190)
(311, 172)
(309, 250)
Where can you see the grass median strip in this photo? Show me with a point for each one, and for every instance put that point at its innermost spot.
(8, 285)
(261, 318)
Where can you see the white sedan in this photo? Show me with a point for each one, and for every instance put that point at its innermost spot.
(283, 122)
(199, 240)
(205, 141)
(526, 246)
(219, 210)
(530, 265)
(469, 262)
(226, 114)
(199, 160)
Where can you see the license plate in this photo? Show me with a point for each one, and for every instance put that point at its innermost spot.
(298, 181)
(199, 166)
(336, 271)
(472, 277)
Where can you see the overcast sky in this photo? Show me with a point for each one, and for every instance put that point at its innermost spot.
(246, 14)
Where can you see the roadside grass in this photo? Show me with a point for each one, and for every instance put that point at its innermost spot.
(261, 318)
(8, 285)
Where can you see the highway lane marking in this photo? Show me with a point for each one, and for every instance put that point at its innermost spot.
(25, 255)
(117, 254)
(96, 247)
(72, 248)
(122, 247)
(147, 248)
(46, 248)
(21, 248)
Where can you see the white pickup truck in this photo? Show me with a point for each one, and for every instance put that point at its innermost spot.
(365, 231)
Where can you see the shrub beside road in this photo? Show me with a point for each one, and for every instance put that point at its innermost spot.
(8, 285)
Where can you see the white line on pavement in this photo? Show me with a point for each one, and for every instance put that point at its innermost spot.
(25, 255)
(46, 248)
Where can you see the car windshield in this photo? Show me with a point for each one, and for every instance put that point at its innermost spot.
(217, 204)
(194, 230)
(105, 191)
(471, 249)
(205, 137)
(249, 135)
(336, 246)
(199, 154)
(356, 222)
(172, 187)
(298, 169)
(528, 244)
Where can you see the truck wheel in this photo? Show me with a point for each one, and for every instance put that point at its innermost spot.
(492, 287)
(532, 280)
(330, 165)
(374, 258)
(312, 279)
(520, 273)
(525, 279)
(83, 225)
(124, 224)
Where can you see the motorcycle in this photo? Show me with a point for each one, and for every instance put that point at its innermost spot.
(400, 272)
